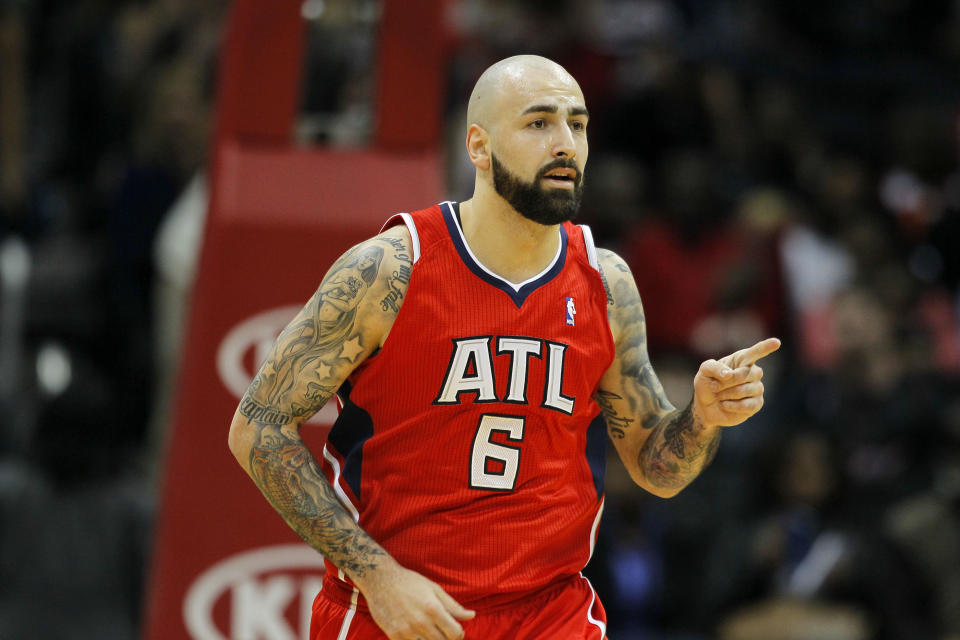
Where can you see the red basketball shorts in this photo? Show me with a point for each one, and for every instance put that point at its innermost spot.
(570, 610)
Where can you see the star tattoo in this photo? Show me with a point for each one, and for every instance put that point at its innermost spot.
(351, 349)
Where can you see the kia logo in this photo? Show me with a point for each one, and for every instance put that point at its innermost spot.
(248, 344)
(262, 594)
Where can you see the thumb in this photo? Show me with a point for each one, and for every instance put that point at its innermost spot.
(457, 610)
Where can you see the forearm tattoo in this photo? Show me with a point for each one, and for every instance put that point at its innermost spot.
(286, 473)
(312, 355)
(678, 450)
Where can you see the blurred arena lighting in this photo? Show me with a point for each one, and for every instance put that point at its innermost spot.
(14, 263)
(14, 276)
(54, 369)
(312, 9)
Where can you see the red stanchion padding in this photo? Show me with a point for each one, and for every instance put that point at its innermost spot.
(226, 567)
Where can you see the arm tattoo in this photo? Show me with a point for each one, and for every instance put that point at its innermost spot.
(617, 425)
(606, 287)
(400, 276)
(322, 336)
(635, 366)
(254, 411)
(677, 451)
(286, 473)
(310, 358)
(676, 447)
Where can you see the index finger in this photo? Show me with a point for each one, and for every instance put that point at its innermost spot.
(746, 357)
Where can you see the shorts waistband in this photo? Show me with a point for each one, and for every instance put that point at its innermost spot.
(343, 594)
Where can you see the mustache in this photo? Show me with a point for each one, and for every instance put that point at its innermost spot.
(561, 163)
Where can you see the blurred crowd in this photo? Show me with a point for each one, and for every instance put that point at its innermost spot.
(766, 168)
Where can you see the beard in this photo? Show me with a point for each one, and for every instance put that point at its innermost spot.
(542, 205)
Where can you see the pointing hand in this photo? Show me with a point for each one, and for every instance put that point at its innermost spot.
(728, 391)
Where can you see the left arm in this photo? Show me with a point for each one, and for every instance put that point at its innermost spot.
(664, 448)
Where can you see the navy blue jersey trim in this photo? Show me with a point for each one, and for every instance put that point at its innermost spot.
(350, 432)
(596, 452)
(451, 216)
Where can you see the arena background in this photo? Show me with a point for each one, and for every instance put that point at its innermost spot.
(785, 168)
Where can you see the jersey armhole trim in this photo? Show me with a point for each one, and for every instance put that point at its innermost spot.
(407, 219)
(590, 246)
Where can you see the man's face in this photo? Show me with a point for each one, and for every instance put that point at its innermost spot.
(538, 147)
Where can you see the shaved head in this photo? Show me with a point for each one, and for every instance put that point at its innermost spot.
(509, 78)
(526, 136)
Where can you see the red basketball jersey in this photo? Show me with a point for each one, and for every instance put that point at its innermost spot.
(470, 446)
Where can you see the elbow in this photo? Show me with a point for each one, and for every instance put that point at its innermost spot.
(661, 478)
(233, 441)
(658, 485)
(663, 491)
(662, 484)
(239, 440)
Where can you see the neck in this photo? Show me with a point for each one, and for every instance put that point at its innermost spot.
(510, 245)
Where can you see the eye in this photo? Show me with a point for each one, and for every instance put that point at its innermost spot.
(578, 125)
(539, 123)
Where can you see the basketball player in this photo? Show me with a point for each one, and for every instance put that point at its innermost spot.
(482, 352)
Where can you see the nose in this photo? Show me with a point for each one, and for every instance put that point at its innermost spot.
(564, 145)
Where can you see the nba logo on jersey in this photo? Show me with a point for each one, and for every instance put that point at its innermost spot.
(571, 311)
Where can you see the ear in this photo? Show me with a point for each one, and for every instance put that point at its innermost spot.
(478, 148)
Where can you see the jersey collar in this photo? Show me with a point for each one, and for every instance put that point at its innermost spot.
(518, 292)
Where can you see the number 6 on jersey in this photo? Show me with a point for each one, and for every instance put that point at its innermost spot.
(485, 450)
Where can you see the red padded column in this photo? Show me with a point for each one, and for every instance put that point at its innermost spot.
(411, 74)
(225, 566)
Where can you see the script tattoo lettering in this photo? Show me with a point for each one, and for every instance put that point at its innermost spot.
(401, 276)
(253, 410)
(399, 246)
(606, 287)
(314, 398)
(617, 425)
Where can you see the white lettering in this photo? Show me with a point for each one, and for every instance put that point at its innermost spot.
(553, 393)
(247, 577)
(459, 380)
(471, 371)
(257, 611)
(520, 350)
(309, 588)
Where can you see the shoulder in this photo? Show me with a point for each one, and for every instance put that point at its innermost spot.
(391, 251)
(623, 299)
(611, 261)
(617, 277)
(389, 248)
(397, 234)
(392, 240)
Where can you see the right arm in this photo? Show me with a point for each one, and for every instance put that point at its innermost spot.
(346, 320)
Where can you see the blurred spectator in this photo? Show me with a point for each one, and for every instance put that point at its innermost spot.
(807, 556)
(708, 282)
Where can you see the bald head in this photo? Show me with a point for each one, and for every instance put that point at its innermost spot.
(511, 79)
